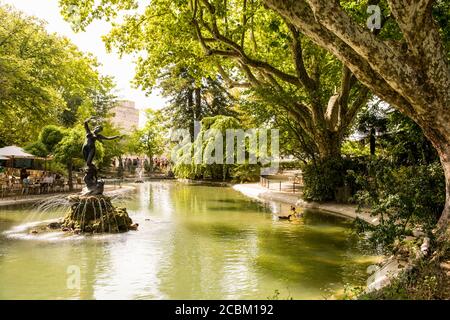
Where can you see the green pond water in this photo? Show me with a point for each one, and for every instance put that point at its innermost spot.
(193, 242)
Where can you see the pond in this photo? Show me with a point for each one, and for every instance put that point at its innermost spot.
(193, 242)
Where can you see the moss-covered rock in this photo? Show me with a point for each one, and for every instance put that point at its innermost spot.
(96, 214)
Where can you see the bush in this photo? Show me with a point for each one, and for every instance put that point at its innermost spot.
(331, 179)
(245, 173)
(321, 179)
(401, 197)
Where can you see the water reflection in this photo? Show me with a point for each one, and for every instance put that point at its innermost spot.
(194, 242)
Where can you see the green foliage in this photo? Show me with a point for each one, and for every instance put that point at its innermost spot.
(190, 100)
(185, 167)
(242, 173)
(355, 148)
(401, 198)
(38, 148)
(322, 178)
(405, 144)
(403, 185)
(150, 140)
(44, 79)
(50, 136)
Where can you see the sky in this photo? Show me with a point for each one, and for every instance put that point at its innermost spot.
(121, 68)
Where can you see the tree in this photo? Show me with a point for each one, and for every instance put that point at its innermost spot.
(69, 149)
(251, 48)
(186, 165)
(191, 101)
(92, 97)
(150, 139)
(44, 79)
(410, 71)
(49, 138)
(27, 56)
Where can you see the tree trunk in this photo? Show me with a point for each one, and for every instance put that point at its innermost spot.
(329, 144)
(198, 105)
(437, 130)
(372, 141)
(70, 176)
(442, 145)
(444, 219)
(150, 163)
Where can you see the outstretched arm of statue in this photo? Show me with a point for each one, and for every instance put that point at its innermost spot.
(86, 125)
(101, 137)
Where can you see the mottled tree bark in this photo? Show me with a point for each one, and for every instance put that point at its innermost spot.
(413, 74)
(329, 144)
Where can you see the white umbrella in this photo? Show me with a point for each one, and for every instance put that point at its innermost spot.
(3, 158)
(15, 152)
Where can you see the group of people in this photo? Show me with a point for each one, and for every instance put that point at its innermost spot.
(160, 162)
(46, 179)
(130, 164)
(10, 179)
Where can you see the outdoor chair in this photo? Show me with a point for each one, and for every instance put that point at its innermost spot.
(58, 186)
(4, 190)
(35, 188)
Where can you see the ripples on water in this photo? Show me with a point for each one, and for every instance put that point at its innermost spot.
(193, 242)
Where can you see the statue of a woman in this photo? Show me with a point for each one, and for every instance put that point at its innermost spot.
(89, 145)
(93, 185)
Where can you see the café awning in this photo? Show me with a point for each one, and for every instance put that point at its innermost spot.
(15, 152)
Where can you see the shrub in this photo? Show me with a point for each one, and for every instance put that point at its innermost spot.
(324, 179)
(401, 198)
(245, 173)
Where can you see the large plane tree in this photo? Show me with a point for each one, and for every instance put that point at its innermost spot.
(408, 68)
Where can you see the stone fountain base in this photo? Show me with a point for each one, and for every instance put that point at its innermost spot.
(95, 214)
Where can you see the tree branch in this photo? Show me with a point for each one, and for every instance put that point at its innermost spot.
(300, 14)
(230, 82)
(389, 62)
(214, 31)
(358, 103)
(297, 54)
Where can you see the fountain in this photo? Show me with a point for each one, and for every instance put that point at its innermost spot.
(139, 172)
(90, 211)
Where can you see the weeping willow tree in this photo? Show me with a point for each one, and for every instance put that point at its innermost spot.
(205, 157)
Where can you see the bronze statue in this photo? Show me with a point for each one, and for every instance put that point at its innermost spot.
(93, 185)
(89, 145)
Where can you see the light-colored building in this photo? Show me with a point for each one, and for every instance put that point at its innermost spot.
(126, 116)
